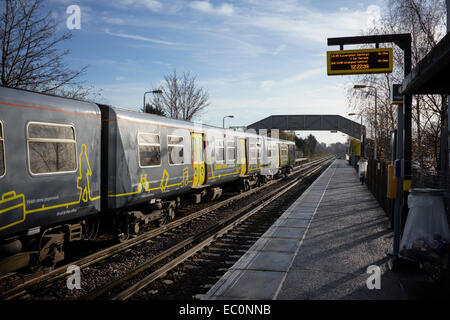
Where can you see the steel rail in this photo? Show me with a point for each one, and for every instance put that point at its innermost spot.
(95, 257)
(217, 233)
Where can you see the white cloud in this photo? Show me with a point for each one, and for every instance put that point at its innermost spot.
(268, 84)
(226, 9)
(299, 22)
(279, 43)
(62, 1)
(286, 82)
(303, 75)
(120, 78)
(151, 5)
(118, 21)
(162, 63)
(140, 38)
(328, 99)
(279, 49)
(373, 16)
(205, 6)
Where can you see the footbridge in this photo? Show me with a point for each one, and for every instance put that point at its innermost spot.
(310, 122)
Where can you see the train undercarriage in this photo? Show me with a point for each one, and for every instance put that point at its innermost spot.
(47, 248)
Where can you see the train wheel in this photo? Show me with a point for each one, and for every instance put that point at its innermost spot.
(168, 214)
(122, 237)
(123, 228)
(162, 221)
(247, 186)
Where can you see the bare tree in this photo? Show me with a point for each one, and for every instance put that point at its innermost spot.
(424, 19)
(182, 98)
(153, 110)
(30, 57)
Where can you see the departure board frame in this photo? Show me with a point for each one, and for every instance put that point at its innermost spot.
(362, 59)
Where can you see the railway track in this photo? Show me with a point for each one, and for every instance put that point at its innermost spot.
(29, 288)
(213, 238)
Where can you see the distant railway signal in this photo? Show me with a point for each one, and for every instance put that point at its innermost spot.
(343, 62)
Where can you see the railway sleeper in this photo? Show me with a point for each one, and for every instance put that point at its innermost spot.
(234, 240)
(241, 236)
(227, 249)
(211, 254)
(232, 246)
(247, 234)
(190, 267)
(202, 260)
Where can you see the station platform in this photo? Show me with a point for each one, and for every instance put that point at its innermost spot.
(321, 247)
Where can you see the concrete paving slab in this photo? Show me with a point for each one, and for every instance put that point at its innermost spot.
(342, 257)
(295, 223)
(301, 215)
(303, 284)
(270, 261)
(321, 247)
(284, 232)
(259, 245)
(267, 261)
(245, 260)
(281, 245)
(248, 284)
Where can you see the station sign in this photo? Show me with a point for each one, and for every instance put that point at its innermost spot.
(395, 95)
(359, 61)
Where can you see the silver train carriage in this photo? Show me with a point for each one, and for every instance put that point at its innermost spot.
(66, 165)
(49, 172)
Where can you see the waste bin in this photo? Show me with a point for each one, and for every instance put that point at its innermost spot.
(426, 226)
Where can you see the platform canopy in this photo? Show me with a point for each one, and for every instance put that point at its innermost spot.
(310, 122)
(431, 74)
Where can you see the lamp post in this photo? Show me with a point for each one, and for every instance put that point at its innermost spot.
(223, 120)
(362, 86)
(152, 91)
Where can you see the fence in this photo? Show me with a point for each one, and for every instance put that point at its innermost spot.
(376, 181)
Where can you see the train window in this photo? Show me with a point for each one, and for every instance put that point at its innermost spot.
(51, 148)
(47, 131)
(231, 151)
(220, 152)
(259, 150)
(272, 150)
(2, 151)
(175, 147)
(284, 150)
(149, 149)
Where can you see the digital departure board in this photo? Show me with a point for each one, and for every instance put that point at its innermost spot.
(359, 61)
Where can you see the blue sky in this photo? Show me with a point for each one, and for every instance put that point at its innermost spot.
(255, 57)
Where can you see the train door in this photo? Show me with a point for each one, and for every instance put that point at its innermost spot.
(198, 163)
(284, 154)
(259, 153)
(243, 156)
(276, 153)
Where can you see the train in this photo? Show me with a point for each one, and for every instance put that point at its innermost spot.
(70, 167)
